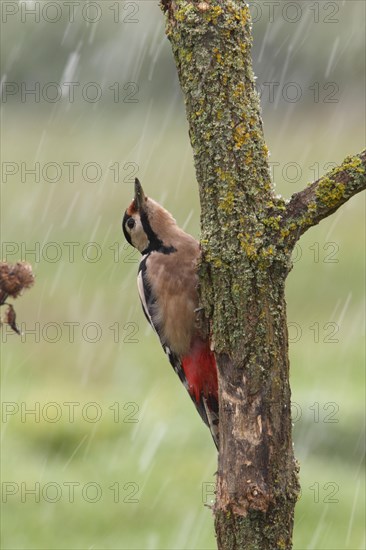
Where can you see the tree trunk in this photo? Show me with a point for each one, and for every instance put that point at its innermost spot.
(257, 475)
(247, 238)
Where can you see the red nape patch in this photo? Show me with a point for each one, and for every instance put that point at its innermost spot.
(132, 208)
(200, 370)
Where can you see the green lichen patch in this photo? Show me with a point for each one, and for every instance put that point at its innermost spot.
(329, 193)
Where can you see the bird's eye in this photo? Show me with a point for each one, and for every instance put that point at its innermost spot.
(130, 223)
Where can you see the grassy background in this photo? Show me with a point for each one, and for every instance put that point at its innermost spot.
(163, 465)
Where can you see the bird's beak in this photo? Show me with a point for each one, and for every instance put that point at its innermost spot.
(139, 195)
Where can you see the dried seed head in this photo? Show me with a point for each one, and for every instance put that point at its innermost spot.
(14, 279)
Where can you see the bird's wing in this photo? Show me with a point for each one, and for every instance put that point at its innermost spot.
(148, 302)
(146, 296)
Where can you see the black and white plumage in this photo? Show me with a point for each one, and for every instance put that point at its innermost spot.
(167, 285)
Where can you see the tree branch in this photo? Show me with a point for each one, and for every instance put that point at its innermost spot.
(324, 196)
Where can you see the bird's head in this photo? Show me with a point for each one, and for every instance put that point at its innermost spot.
(146, 225)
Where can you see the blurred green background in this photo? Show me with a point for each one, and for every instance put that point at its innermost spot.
(115, 454)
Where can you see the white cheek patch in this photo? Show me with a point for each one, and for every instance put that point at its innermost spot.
(138, 236)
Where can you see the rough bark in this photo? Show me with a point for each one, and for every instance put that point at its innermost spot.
(247, 238)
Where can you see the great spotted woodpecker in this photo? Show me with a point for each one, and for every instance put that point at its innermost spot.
(167, 285)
